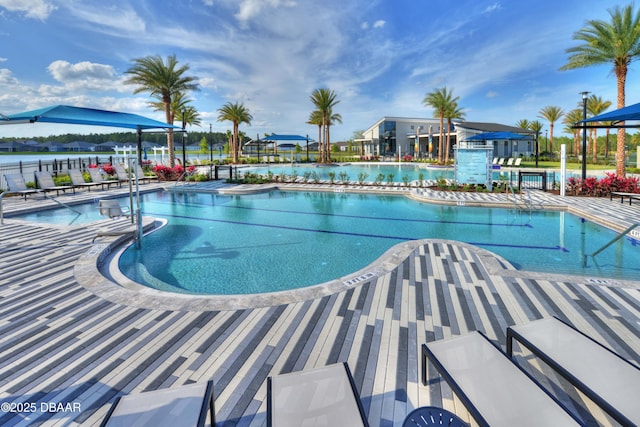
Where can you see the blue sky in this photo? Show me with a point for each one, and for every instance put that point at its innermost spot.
(381, 57)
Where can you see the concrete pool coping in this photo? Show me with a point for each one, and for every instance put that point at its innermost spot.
(97, 270)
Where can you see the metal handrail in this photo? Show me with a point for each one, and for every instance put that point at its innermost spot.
(611, 242)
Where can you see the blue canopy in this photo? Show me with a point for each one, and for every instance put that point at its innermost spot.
(276, 137)
(630, 112)
(492, 136)
(84, 116)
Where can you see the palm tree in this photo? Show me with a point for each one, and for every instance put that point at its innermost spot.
(523, 124)
(595, 106)
(570, 119)
(324, 100)
(333, 118)
(453, 112)
(536, 126)
(236, 113)
(315, 118)
(616, 42)
(163, 81)
(552, 113)
(440, 100)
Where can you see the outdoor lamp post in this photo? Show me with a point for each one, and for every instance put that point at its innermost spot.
(537, 147)
(184, 152)
(210, 145)
(584, 136)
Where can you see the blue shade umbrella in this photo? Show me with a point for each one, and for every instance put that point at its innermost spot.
(87, 116)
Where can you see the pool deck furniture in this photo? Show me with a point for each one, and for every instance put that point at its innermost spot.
(184, 406)
(45, 183)
(601, 374)
(142, 177)
(96, 176)
(121, 173)
(16, 185)
(495, 391)
(321, 397)
(622, 195)
(62, 340)
(77, 180)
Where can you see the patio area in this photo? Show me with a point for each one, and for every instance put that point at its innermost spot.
(62, 345)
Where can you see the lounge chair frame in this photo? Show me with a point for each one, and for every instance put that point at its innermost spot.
(96, 176)
(77, 180)
(349, 377)
(206, 406)
(573, 355)
(528, 388)
(46, 183)
(622, 195)
(16, 185)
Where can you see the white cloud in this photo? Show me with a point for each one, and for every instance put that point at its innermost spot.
(116, 20)
(379, 23)
(81, 77)
(36, 9)
(493, 8)
(252, 8)
(64, 71)
(6, 77)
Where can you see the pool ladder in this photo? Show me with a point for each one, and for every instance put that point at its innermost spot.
(611, 242)
(184, 178)
(527, 203)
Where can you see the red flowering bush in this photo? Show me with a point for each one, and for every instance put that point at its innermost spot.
(166, 173)
(108, 169)
(602, 187)
(407, 158)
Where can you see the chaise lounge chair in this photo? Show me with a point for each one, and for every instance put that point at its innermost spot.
(16, 185)
(607, 379)
(495, 391)
(142, 176)
(46, 183)
(318, 397)
(517, 162)
(121, 173)
(188, 405)
(77, 179)
(96, 176)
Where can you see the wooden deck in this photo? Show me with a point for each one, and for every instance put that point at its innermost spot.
(60, 343)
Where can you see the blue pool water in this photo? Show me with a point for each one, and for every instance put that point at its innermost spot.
(370, 171)
(217, 244)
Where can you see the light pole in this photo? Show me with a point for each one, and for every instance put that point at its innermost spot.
(537, 147)
(584, 135)
(210, 145)
(184, 153)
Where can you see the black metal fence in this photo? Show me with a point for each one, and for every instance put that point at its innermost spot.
(533, 180)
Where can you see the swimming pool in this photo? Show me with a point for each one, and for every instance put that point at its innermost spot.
(370, 172)
(222, 244)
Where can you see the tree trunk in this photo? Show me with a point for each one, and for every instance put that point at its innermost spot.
(551, 137)
(446, 153)
(170, 145)
(595, 146)
(621, 77)
(236, 158)
(328, 143)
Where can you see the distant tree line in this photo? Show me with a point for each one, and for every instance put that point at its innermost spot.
(125, 138)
